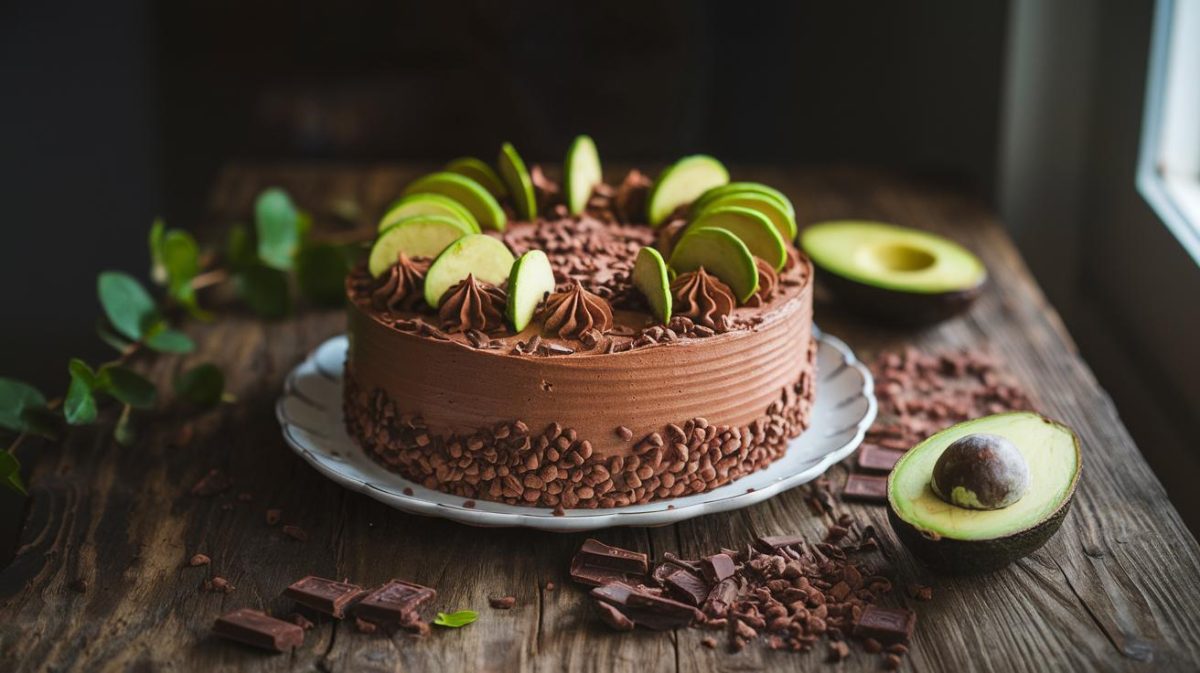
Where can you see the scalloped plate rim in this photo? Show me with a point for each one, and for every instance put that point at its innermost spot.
(426, 502)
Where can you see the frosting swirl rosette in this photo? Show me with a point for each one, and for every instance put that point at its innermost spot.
(400, 289)
(702, 297)
(574, 311)
(472, 305)
(768, 279)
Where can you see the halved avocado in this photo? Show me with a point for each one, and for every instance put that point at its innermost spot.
(896, 274)
(682, 183)
(958, 540)
(479, 171)
(470, 194)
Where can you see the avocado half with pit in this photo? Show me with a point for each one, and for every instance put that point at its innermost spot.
(900, 275)
(957, 539)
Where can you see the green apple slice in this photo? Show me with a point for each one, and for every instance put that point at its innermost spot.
(480, 172)
(531, 280)
(742, 187)
(520, 185)
(756, 231)
(427, 204)
(767, 205)
(470, 194)
(416, 236)
(720, 253)
(479, 254)
(581, 172)
(683, 182)
(650, 276)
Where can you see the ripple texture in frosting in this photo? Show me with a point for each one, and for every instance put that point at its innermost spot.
(574, 311)
(472, 305)
(703, 298)
(400, 289)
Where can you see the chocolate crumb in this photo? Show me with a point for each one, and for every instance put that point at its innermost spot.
(559, 511)
(301, 621)
(469, 504)
(838, 650)
(709, 642)
(920, 592)
(199, 560)
(363, 625)
(549, 586)
(407, 491)
(624, 433)
(891, 662)
(899, 649)
(212, 483)
(503, 602)
(873, 646)
(295, 532)
(273, 516)
(218, 583)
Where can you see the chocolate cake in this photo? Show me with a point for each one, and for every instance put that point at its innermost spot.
(597, 401)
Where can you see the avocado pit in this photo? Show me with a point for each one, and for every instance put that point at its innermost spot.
(980, 471)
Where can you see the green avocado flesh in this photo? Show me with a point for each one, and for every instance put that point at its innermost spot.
(891, 257)
(479, 171)
(1051, 451)
(682, 183)
(480, 255)
(427, 204)
(470, 194)
(516, 177)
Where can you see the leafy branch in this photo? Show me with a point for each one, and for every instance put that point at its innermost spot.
(263, 266)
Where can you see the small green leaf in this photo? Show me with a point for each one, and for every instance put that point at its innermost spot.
(10, 472)
(266, 291)
(158, 271)
(181, 257)
(239, 249)
(17, 398)
(321, 272)
(166, 340)
(278, 227)
(127, 386)
(79, 406)
(455, 620)
(124, 431)
(202, 385)
(126, 303)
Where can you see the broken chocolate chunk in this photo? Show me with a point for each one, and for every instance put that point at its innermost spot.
(717, 567)
(326, 596)
(771, 543)
(877, 458)
(597, 564)
(865, 487)
(686, 586)
(886, 625)
(613, 617)
(395, 601)
(646, 609)
(259, 629)
(721, 598)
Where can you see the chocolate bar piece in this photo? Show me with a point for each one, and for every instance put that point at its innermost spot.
(772, 543)
(866, 487)
(877, 458)
(395, 601)
(887, 625)
(597, 564)
(717, 567)
(721, 598)
(645, 609)
(326, 596)
(259, 629)
(686, 586)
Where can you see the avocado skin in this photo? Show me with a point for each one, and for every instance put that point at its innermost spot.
(904, 309)
(974, 557)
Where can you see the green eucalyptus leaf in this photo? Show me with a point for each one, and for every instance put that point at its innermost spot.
(239, 249)
(124, 431)
(321, 273)
(202, 385)
(278, 227)
(266, 291)
(158, 270)
(126, 303)
(79, 406)
(181, 258)
(166, 340)
(10, 472)
(456, 620)
(106, 335)
(127, 386)
(17, 398)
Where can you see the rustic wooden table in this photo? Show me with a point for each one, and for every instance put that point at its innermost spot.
(1118, 588)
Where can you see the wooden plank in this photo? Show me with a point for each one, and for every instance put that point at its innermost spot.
(1116, 589)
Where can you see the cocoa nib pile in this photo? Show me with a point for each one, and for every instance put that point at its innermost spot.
(920, 394)
(785, 589)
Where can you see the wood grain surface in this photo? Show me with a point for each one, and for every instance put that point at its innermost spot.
(1117, 589)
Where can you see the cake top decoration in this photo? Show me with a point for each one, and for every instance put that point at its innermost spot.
(701, 297)
(574, 311)
(472, 305)
(768, 279)
(401, 286)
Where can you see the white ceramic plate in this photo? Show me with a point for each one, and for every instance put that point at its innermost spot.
(310, 412)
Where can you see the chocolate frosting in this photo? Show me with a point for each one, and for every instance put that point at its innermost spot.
(472, 305)
(546, 191)
(630, 198)
(571, 313)
(400, 288)
(700, 296)
(768, 280)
